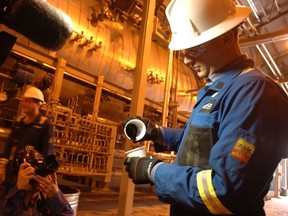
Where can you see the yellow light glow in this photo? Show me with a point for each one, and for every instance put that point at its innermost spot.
(155, 76)
(126, 64)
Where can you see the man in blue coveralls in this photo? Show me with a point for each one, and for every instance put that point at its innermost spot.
(237, 134)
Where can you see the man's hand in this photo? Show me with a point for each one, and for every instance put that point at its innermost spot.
(48, 184)
(139, 169)
(25, 174)
(150, 130)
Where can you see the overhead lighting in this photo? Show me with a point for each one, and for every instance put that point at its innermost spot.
(78, 36)
(127, 65)
(155, 77)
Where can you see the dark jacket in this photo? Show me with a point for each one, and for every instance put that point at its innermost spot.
(13, 205)
(38, 133)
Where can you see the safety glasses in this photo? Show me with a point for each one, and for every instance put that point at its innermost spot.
(198, 50)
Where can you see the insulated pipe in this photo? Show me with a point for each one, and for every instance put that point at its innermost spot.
(168, 82)
(266, 60)
(272, 60)
(251, 4)
(127, 187)
(100, 81)
(58, 80)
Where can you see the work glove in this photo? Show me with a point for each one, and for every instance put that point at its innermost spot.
(139, 129)
(3, 164)
(139, 168)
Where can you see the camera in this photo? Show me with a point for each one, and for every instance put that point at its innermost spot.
(43, 167)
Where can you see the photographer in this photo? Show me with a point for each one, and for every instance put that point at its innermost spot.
(34, 192)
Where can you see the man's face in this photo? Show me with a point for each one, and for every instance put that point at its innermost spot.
(203, 59)
(29, 105)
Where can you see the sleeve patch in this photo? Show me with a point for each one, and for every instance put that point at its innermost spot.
(242, 150)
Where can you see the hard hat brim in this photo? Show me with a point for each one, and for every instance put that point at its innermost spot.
(184, 40)
(35, 93)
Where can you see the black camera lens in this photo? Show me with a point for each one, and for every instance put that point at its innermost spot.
(42, 167)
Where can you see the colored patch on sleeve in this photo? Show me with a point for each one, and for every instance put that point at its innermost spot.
(242, 150)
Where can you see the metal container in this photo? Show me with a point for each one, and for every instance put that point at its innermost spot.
(72, 196)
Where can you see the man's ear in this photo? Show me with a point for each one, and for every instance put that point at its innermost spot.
(228, 38)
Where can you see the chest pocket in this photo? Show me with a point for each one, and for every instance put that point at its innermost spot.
(196, 147)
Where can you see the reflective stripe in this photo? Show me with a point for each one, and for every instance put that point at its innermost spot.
(208, 195)
(246, 70)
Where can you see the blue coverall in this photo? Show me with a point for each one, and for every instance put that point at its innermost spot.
(229, 149)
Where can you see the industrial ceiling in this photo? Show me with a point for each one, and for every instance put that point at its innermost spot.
(264, 35)
(106, 38)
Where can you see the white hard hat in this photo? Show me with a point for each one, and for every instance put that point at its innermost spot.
(194, 22)
(35, 93)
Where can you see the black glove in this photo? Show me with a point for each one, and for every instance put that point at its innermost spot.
(133, 130)
(139, 168)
